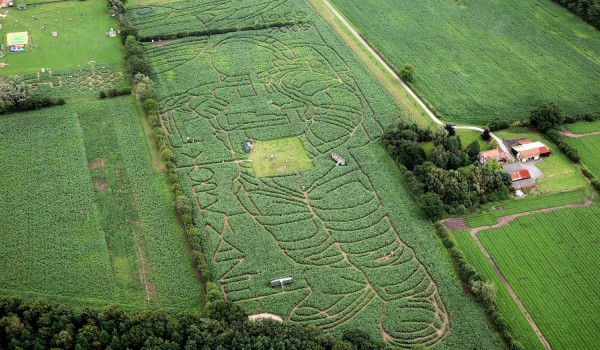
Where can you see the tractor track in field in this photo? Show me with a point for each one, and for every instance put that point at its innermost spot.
(503, 221)
(411, 93)
(569, 133)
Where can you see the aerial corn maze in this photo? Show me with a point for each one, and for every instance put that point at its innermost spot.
(340, 231)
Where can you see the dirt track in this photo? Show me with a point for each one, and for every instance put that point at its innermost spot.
(568, 133)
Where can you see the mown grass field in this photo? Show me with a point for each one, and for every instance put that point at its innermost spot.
(477, 61)
(81, 28)
(504, 301)
(350, 236)
(289, 156)
(551, 261)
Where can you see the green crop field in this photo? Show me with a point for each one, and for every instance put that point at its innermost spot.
(534, 202)
(552, 262)
(480, 60)
(583, 127)
(589, 150)
(81, 36)
(87, 219)
(506, 305)
(153, 18)
(358, 250)
(52, 241)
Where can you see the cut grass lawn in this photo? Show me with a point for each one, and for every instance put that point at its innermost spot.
(288, 153)
(480, 60)
(468, 136)
(552, 262)
(504, 301)
(81, 28)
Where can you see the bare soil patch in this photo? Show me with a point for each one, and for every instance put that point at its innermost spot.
(100, 185)
(160, 42)
(98, 164)
(264, 315)
(454, 224)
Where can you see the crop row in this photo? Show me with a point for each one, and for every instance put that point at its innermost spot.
(550, 261)
(588, 148)
(533, 202)
(212, 16)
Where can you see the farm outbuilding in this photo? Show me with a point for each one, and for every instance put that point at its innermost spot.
(21, 6)
(520, 175)
(530, 151)
(523, 175)
(496, 154)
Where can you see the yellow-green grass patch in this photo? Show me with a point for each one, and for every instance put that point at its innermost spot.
(279, 156)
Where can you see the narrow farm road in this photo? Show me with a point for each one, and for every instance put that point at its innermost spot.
(503, 221)
(404, 86)
(568, 133)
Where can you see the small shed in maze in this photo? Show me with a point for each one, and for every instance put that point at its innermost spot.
(248, 145)
(338, 160)
(281, 281)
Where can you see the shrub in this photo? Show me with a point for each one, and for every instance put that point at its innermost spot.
(407, 73)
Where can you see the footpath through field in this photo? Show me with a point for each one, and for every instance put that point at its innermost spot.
(406, 87)
(572, 134)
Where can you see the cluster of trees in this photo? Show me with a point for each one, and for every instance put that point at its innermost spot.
(114, 92)
(116, 8)
(548, 118)
(37, 325)
(15, 96)
(588, 10)
(588, 117)
(483, 290)
(439, 185)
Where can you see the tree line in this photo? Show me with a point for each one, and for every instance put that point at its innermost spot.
(588, 10)
(37, 325)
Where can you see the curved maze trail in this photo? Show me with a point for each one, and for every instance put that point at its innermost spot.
(326, 225)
